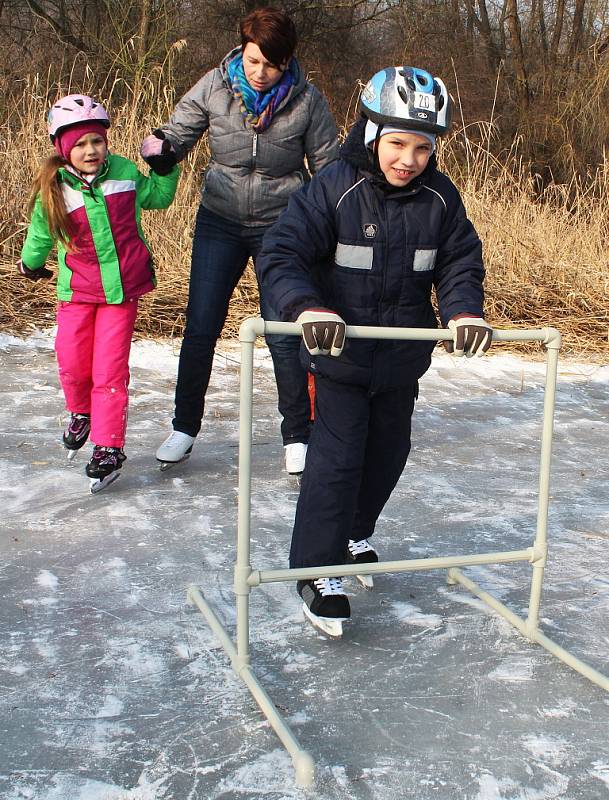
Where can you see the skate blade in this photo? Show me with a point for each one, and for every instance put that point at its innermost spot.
(165, 465)
(332, 627)
(72, 454)
(367, 581)
(98, 484)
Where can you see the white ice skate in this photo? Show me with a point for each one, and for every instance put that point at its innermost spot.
(325, 605)
(362, 552)
(176, 448)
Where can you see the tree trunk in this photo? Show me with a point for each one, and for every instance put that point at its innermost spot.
(520, 72)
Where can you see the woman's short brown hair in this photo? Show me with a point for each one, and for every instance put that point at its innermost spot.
(273, 31)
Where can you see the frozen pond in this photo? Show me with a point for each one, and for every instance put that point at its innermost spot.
(112, 688)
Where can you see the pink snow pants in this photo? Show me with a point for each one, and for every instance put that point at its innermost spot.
(92, 345)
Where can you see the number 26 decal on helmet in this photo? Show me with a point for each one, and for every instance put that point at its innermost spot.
(407, 97)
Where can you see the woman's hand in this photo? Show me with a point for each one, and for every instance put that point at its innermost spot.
(158, 153)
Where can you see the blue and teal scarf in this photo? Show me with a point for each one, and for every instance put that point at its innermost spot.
(258, 107)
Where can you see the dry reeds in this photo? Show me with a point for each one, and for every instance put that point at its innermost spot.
(546, 257)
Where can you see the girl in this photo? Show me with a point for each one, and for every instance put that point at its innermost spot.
(369, 238)
(88, 202)
(263, 119)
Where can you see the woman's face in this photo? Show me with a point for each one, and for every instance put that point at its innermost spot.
(260, 73)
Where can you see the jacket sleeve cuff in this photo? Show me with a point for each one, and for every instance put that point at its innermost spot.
(292, 311)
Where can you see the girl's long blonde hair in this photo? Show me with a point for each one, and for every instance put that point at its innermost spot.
(48, 187)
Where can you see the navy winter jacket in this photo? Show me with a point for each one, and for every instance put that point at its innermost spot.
(350, 242)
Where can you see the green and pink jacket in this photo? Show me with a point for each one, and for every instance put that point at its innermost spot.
(111, 261)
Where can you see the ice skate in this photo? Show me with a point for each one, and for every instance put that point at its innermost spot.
(76, 433)
(325, 605)
(175, 449)
(295, 456)
(362, 552)
(104, 467)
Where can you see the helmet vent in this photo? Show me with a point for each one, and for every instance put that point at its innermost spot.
(403, 95)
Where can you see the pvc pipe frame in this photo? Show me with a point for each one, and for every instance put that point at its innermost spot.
(246, 578)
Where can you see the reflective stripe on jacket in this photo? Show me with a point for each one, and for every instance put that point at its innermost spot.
(373, 256)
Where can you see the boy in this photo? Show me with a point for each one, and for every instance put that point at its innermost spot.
(363, 244)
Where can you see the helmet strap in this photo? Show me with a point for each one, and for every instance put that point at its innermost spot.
(375, 147)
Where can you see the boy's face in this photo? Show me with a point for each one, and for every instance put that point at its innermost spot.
(89, 153)
(403, 156)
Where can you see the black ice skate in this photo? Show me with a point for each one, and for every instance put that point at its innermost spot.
(362, 552)
(104, 467)
(325, 606)
(77, 433)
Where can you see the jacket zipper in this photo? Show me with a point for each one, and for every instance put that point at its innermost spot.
(254, 154)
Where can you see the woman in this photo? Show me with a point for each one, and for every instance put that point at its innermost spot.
(263, 119)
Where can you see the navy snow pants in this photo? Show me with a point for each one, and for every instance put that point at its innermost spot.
(358, 449)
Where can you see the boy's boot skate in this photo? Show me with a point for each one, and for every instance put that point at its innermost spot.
(325, 605)
(76, 433)
(362, 552)
(176, 448)
(104, 466)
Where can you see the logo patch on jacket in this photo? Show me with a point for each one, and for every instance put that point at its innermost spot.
(370, 230)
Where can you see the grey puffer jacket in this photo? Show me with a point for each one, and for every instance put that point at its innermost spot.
(250, 176)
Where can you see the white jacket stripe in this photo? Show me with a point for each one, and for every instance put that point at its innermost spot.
(347, 192)
(116, 187)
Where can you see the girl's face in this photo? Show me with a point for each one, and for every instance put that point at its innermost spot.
(260, 73)
(403, 156)
(89, 153)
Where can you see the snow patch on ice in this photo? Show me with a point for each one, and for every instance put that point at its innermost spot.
(412, 615)
(600, 770)
(47, 580)
(513, 670)
(112, 707)
(267, 775)
(298, 661)
(545, 748)
(491, 788)
(564, 708)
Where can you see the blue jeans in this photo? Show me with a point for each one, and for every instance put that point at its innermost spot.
(220, 252)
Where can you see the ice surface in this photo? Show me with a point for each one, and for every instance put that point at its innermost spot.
(112, 688)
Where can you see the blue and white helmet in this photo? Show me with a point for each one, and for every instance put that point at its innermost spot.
(407, 97)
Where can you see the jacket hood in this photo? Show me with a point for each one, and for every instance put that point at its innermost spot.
(354, 152)
(297, 87)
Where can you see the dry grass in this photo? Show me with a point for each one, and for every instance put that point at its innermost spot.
(547, 261)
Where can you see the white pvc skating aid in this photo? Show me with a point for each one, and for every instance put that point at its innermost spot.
(246, 577)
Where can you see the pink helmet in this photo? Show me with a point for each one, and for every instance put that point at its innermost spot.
(72, 109)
